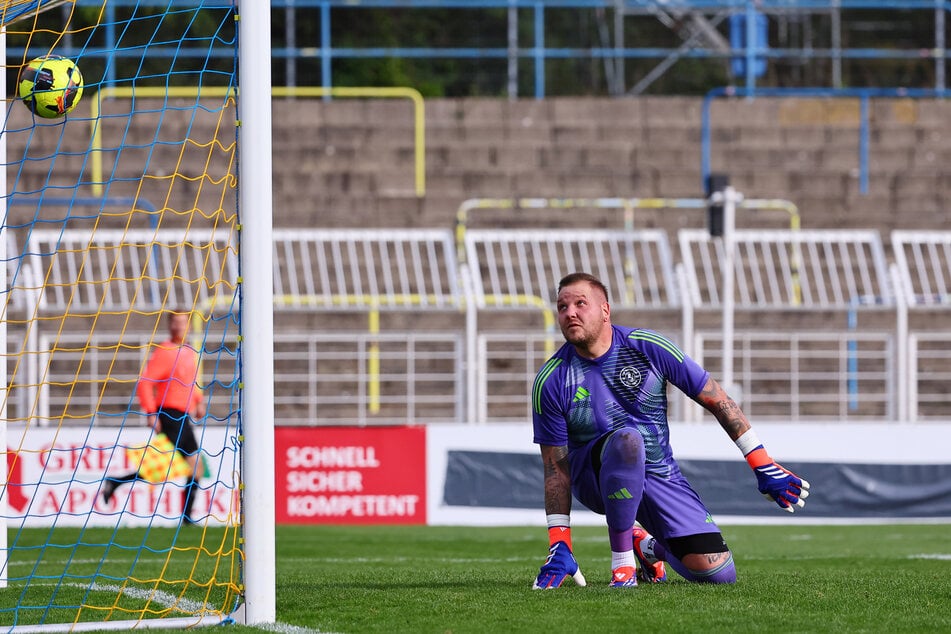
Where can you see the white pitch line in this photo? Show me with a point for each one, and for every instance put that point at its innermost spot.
(286, 628)
(51, 562)
(165, 599)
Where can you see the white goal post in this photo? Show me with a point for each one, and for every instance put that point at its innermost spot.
(254, 131)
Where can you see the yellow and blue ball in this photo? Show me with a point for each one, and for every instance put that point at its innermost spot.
(50, 86)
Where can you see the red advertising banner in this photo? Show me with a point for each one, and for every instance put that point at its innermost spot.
(350, 475)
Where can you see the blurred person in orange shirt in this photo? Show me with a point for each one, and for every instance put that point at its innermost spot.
(169, 394)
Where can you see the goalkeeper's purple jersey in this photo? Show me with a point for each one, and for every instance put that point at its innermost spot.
(575, 400)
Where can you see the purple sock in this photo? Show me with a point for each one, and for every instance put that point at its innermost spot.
(622, 484)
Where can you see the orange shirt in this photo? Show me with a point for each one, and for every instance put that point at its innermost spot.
(169, 380)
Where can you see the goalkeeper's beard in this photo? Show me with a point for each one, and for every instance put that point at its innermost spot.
(580, 335)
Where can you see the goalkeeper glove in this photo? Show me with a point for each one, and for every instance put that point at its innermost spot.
(774, 481)
(559, 566)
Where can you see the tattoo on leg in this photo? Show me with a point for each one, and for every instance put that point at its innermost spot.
(715, 558)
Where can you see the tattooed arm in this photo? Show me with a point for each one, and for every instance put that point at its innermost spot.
(716, 401)
(557, 480)
(774, 481)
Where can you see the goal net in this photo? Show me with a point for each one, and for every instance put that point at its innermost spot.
(115, 215)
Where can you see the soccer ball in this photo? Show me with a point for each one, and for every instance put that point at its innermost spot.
(50, 86)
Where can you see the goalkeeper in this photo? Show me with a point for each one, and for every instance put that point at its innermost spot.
(169, 394)
(599, 409)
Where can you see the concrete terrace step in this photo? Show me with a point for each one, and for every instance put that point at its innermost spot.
(350, 162)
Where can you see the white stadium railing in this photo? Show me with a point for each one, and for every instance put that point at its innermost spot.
(803, 294)
(813, 270)
(824, 329)
(923, 281)
(365, 269)
(509, 264)
(113, 270)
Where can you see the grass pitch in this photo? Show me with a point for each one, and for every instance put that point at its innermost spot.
(792, 578)
(894, 578)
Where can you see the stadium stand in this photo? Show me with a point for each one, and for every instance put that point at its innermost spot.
(802, 150)
(348, 164)
(383, 326)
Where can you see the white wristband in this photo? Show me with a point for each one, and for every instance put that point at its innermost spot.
(558, 519)
(748, 441)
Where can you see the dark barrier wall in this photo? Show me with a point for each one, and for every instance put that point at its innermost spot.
(514, 480)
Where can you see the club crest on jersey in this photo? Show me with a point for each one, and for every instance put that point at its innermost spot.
(629, 376)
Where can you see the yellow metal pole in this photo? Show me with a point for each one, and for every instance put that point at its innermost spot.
(419, 115)
(794, 225)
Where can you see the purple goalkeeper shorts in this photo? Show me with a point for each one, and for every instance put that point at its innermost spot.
(669, 507)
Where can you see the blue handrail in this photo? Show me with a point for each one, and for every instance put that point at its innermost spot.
(536, 51)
